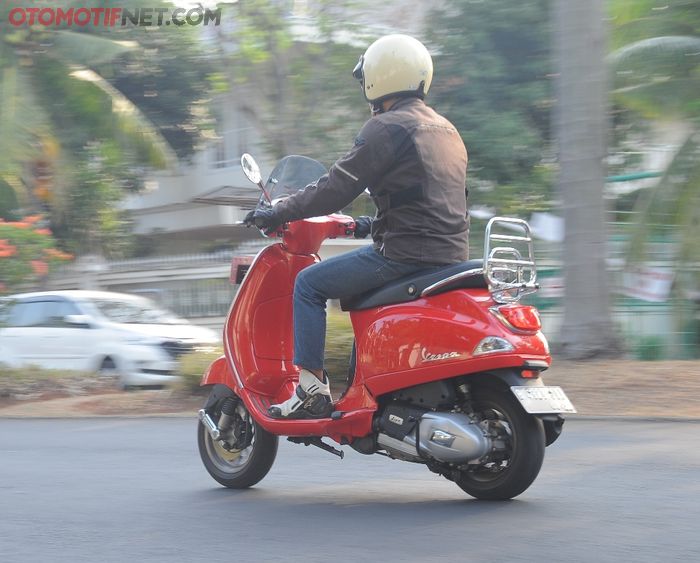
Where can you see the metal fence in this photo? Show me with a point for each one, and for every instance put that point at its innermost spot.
(654, 303)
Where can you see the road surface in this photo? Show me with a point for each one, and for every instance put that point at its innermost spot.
(134, 490)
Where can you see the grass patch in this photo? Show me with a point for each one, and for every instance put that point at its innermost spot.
(33, 373)
(31, 382)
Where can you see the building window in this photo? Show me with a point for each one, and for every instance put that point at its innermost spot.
(227, 150)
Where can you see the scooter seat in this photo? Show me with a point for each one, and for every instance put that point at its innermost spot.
(410, 288)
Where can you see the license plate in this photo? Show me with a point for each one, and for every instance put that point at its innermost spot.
(543, 400)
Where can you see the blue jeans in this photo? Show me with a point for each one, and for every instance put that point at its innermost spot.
(339, 277)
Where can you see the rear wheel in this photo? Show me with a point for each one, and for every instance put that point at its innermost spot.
(519, 442)
(245, 453)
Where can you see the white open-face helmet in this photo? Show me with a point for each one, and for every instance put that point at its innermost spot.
(394, 65)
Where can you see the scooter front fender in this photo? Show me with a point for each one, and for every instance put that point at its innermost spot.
(218, 372)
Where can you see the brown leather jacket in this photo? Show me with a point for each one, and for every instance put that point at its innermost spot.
(414, 163)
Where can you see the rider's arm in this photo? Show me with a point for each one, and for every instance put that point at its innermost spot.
(370, 157)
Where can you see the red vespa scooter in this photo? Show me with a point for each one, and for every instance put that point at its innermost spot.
(445, 371)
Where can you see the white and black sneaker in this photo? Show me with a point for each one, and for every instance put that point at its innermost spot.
(311, 399)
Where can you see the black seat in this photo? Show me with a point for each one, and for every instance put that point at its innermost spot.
(409, 288)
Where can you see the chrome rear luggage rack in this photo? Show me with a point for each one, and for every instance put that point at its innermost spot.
(508, 274)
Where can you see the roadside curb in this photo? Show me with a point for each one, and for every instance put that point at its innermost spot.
(625, 418)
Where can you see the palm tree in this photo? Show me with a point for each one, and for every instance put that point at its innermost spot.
(29, 142)
(581, 130)
(659, 77)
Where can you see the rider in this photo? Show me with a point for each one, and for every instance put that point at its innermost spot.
(414, 163)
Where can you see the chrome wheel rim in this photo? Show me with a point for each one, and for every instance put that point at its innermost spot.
(230, 461)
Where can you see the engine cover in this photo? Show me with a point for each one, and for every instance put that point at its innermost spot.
(452, 438)
(442, 436)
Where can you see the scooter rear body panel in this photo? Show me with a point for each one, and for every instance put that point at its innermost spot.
(435, 338)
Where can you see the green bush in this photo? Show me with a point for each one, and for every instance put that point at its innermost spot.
(192, 366)
(339, 337)
(649, 348)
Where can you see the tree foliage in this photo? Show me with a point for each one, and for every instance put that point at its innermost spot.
(492, 80)
(91, 220)
(657, 74)
(137, 93)
(166, 78)
(292, 75)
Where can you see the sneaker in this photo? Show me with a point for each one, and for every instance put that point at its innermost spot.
(311, 399)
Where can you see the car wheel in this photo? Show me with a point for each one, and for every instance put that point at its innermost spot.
(108, 368)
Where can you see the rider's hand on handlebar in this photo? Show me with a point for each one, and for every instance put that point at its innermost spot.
(266, 219)
(363, 226)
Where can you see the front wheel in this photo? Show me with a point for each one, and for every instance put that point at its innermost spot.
(246, 451)
(519, 444)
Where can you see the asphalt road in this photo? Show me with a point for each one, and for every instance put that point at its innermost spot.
(134, 490)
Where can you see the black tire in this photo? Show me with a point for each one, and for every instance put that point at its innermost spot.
(242, 470)
(108, 368)
(521, 462)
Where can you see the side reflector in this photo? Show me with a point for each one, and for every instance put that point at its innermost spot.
(492, 345)
(519, 317)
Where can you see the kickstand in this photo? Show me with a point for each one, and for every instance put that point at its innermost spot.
(315, 441)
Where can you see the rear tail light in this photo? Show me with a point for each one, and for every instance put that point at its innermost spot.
(521, 318)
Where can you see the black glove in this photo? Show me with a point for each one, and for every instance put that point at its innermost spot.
(266, 218)
(363, 226)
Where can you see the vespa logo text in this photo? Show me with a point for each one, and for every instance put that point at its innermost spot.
(428, 357)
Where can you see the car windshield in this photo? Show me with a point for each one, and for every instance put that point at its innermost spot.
(292, 174)
(134, 312)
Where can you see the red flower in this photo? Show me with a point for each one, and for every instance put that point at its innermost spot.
(40, 267)
(6, 249)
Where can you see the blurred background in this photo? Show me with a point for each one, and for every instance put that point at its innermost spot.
(120, 147)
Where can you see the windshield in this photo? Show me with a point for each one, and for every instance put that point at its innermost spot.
(291, 174)
(134, 312)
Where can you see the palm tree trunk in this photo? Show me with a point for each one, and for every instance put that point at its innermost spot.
(582, 127)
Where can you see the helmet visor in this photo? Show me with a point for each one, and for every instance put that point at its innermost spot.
(357, 71)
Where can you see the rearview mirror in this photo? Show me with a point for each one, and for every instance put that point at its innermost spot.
(251, 168)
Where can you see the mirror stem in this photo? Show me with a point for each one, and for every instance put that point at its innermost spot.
(262, 187)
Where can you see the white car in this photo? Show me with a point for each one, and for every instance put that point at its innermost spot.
(97, 331)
